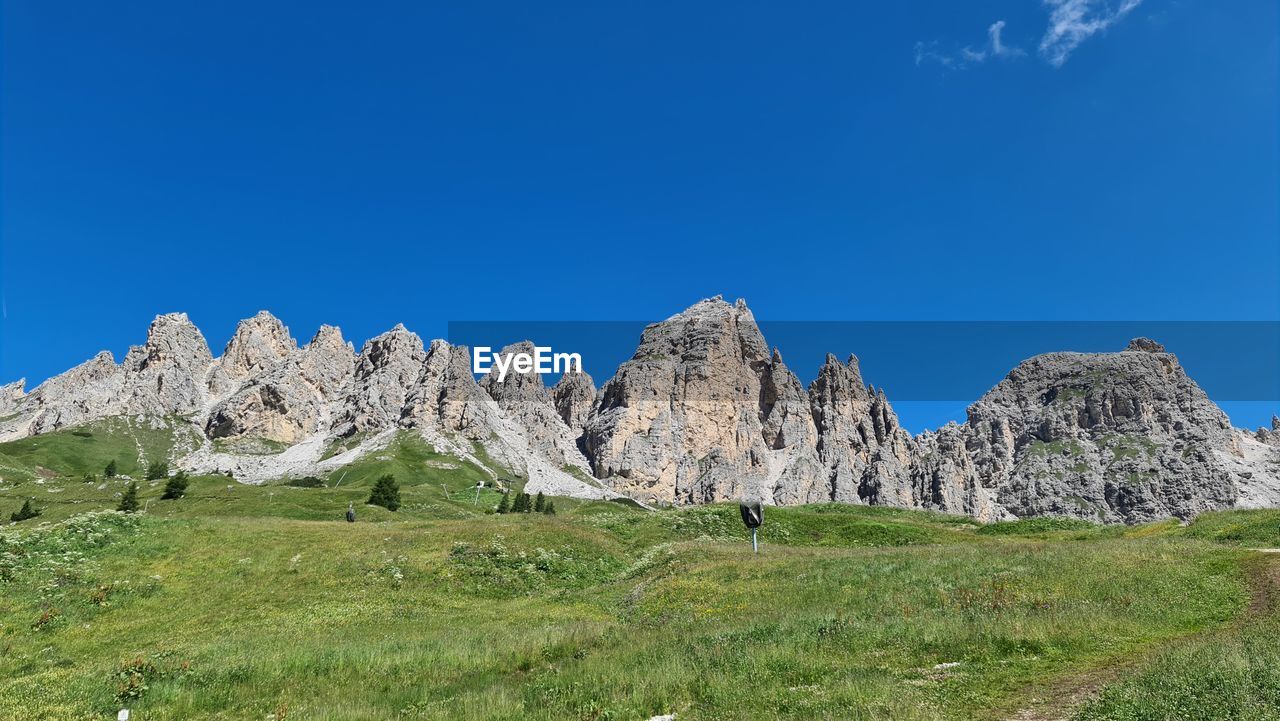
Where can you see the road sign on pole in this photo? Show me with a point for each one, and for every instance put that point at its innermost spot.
(752, 518)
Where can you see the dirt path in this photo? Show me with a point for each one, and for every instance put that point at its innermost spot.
(1059, 700)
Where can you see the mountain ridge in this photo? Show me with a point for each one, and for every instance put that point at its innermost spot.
(704, 411)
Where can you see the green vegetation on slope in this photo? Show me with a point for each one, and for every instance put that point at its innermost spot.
(582, 615)
(1258, 529)
(239, 601)
(89, 448)
(433, 485)
(1230, 674)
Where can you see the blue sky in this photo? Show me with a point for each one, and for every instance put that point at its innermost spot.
(374, 163)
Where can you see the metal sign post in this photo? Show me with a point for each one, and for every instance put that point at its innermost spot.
(752, 518)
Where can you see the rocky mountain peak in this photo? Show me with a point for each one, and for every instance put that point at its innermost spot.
(1145, 345)
(11, 394)
(329, 336)
(864, 450)
(573, 396)
(166, 375)
(283, 393)
(515, 387)
(393, 347)
(264, 332)
(259, 344)
(525, 398)
(839, 383)
(1270, 437)
(684, 419)
(1108, 436)
(386, 371)
(172, 337)
(76, 396)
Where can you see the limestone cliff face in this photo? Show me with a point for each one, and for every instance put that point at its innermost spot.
(865, 452)
(528, 402)
(944, 476)
(260, 344)
(166, 375)
(385, 373)
(574, 395)
(84, 393)
(11, 396)
(704, 411)
(447, 397)
(290, 397)
(1107, 436)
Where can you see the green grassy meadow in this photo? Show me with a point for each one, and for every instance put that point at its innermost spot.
(258, 602)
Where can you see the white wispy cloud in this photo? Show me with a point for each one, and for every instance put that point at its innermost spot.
(1071, 22)
(968, 56)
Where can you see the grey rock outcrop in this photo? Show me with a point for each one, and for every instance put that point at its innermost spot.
(287, 399)
(944, 476)
(163, 377)
(1104, 436)
(1270, 437)
(864, 450)
(259, 345)
(166, 375)
(11, 395)
(702, 412)
(795, 471)
(82, 394)
(385, 373)
(327, 362)
(525, 399)
(446, 395)
(573, 396)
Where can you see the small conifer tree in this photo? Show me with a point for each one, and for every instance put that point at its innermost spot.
(539, 503)
(550, 508)
(176, 487)
(386, 493)
(521, 504)
(110, 471)
(157, 470)
(24, 513)
(129, 501)
(504, 505)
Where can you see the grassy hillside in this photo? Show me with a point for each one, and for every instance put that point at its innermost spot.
(63, 475)
(87, 449)
(244, 602)
(536, 617)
